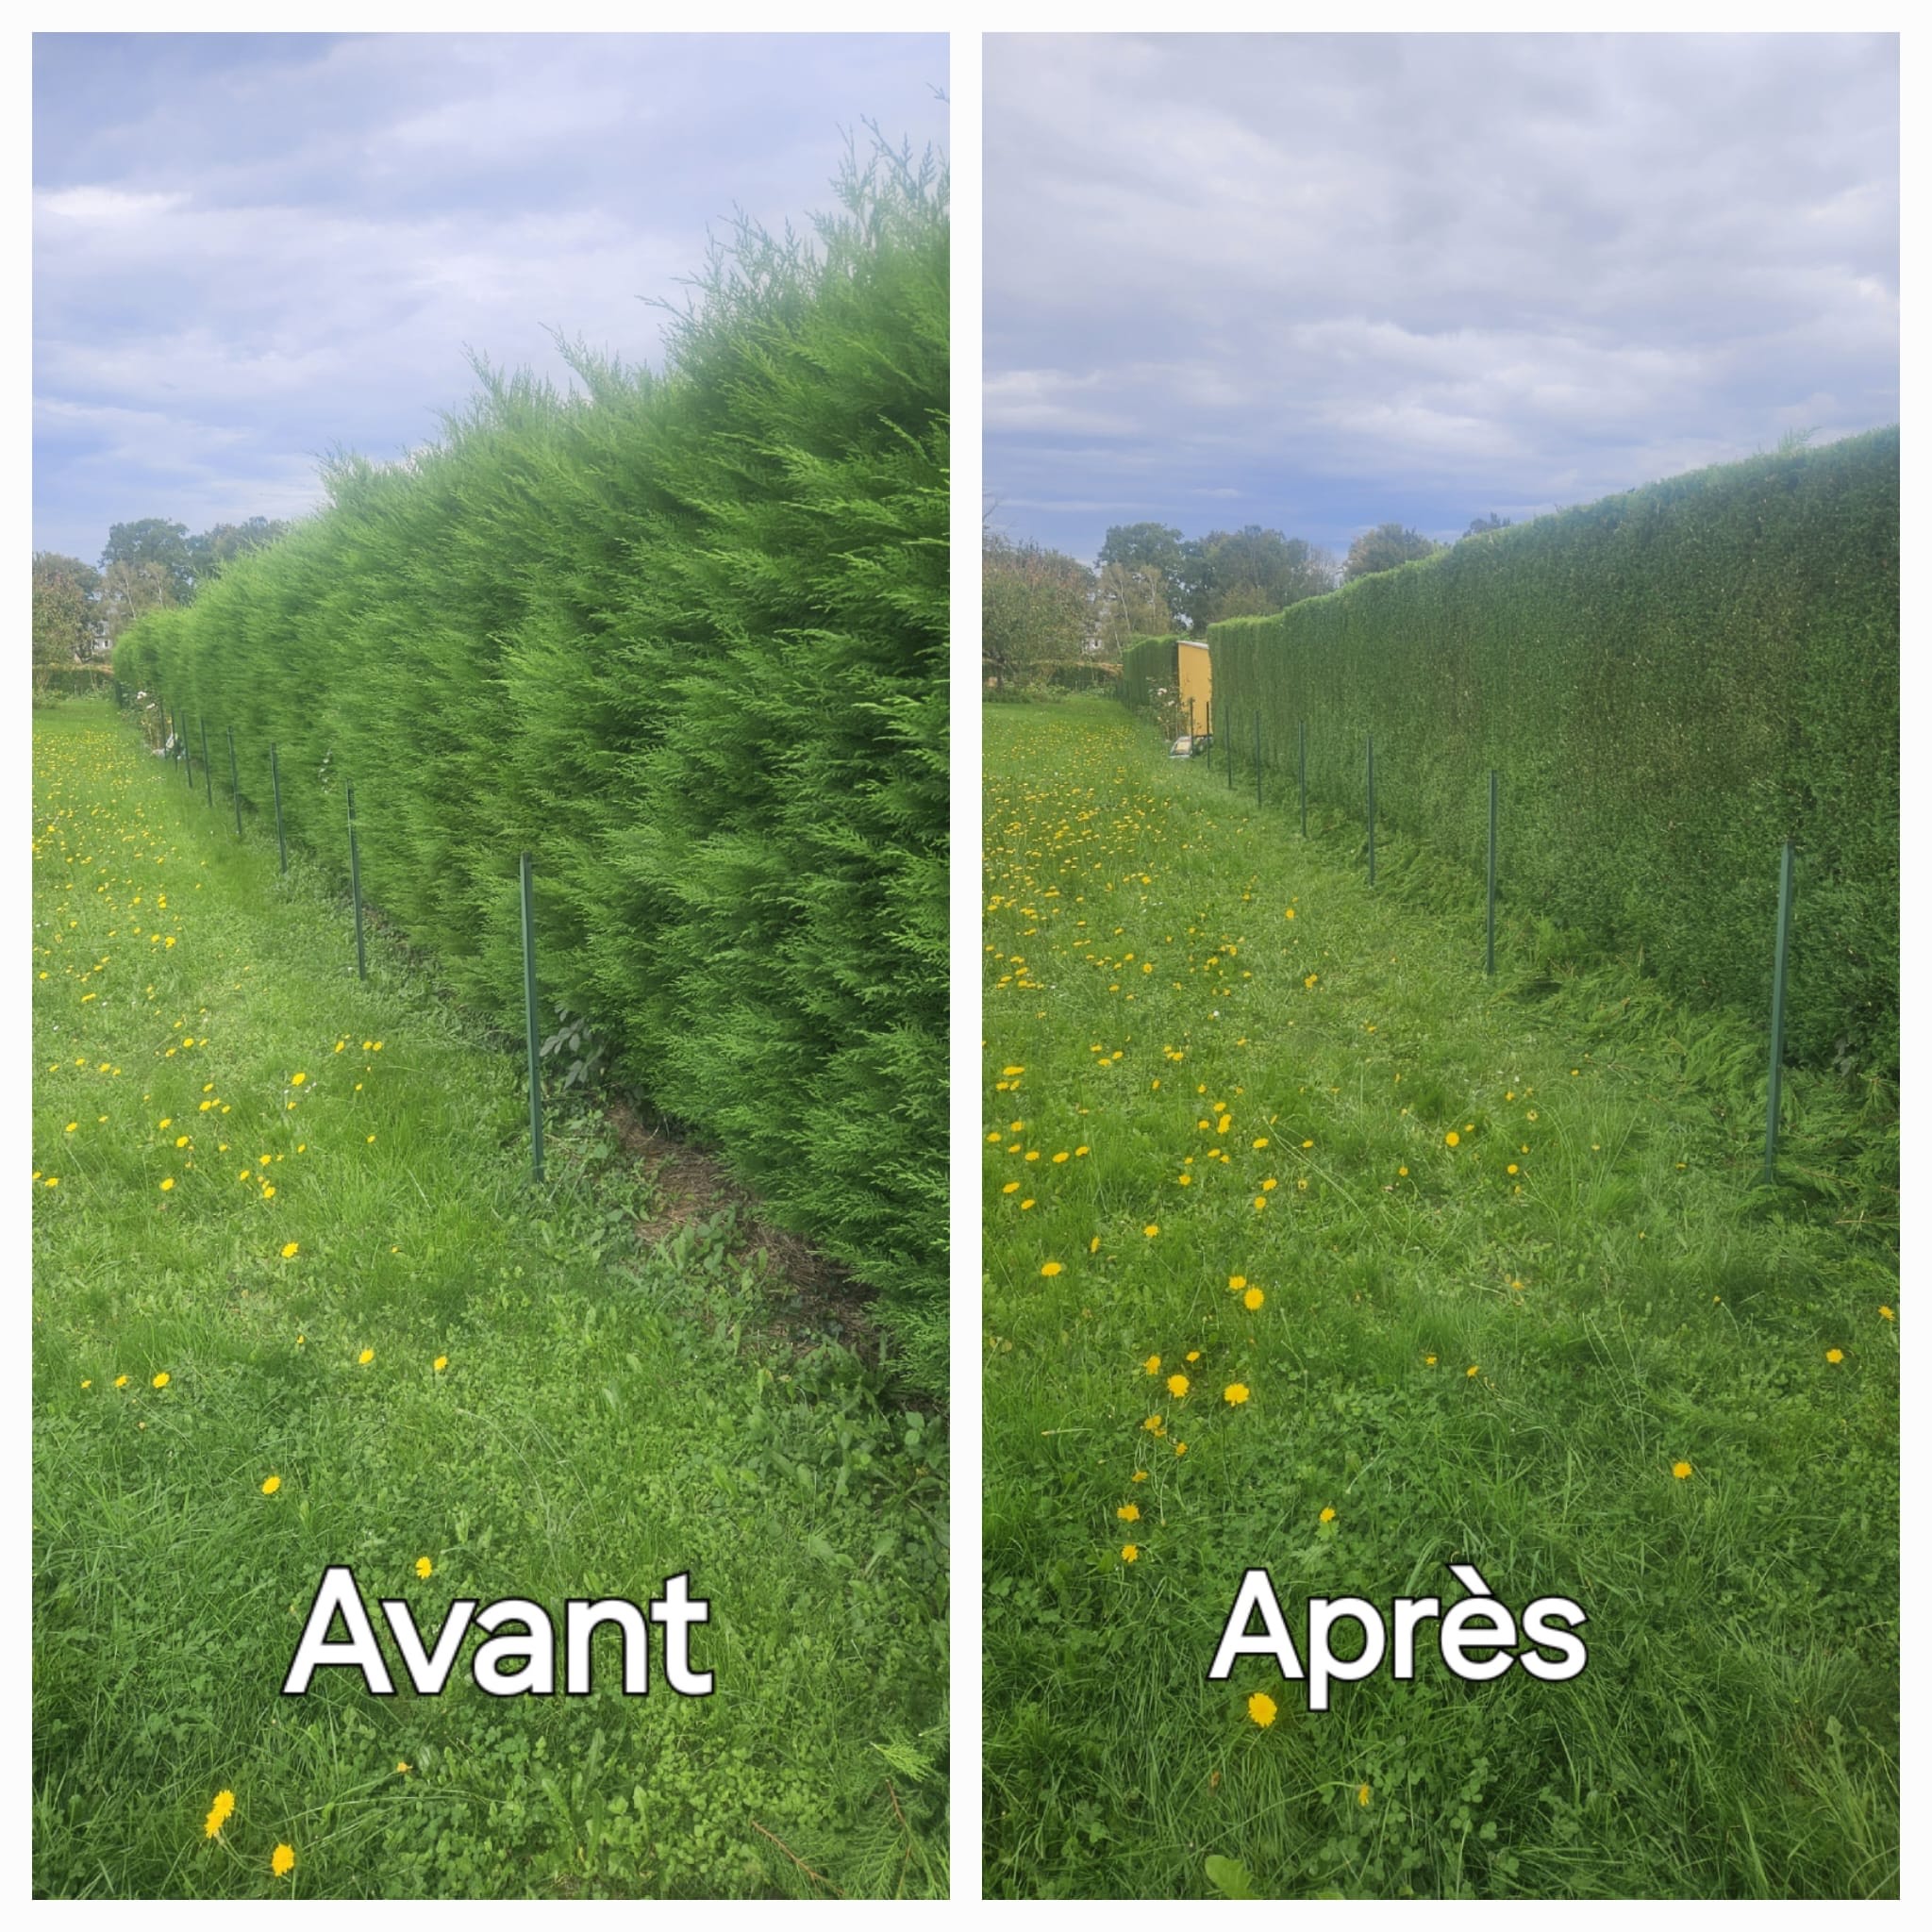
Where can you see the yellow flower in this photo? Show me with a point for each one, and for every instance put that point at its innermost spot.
(1327, 1516)
(162, 1380)
(1151, 1229)
(401, 1767)
(1139, 1476)
(1262, 1708)
(1153, 1425)
(1451, 1139)
(296, 1079)
(1235, 1282)
(271, 1486)
(291, 1249)
(120, 1381)
(167, 1184)
(1428, 1361)
(1093, 1246)
(366, 1356)
(1128, 1512)
(1834, 1354)
(1472, 1368)
(441, 1363)
(1180, 1448)
(1253, 1300)
(1311, 980)
(1362, 1797)
(1680, 1470)
(1887, 1312)
(1131, 1553)
(283, 1861)
(1152, 1365)
(1011, 1188)
(423, 1566)
(1050, 1268)
(1176, 1385)
(1236, 1392)
(219, 1812)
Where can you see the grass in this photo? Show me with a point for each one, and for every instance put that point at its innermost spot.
(437, 1361)
(1505, 1269)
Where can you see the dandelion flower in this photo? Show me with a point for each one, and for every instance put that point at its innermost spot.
(1834, 1354)
(1680, 1470)
(1253, 1300)
(283, 1861)
(1050, 1268)
(162, 1380)
(1131, 1553)
(1153, 1425)
(1139, 1476)
(1151, 1229)
(366, 1356)
(1887, 1312)
(1361, 1796)
(1472, 1368)
(403, 1767)
(1128, 1512)
(1237, 1281)
(291, 1249)
(167, 1183)
(1451, 1139)
(441, 1363)
(1261, 1710)
(423, 1566)
(1428, 1361)
(1176, 1385)
(1152, 1365)
(271, 1486)
(120, 1381)
(1327, 1516)
(218, 1813)
(1236, 1392)
(296, 1079)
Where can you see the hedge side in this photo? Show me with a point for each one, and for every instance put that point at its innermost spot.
(1670, 682)
(1147, 665)
(684, 639)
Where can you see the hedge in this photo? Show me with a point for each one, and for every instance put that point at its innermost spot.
(684, 638)
(1147, 665)
(1670, 682)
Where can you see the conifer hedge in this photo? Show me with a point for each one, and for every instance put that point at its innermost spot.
(1147, 665)
(683, 638)
(1671, 682)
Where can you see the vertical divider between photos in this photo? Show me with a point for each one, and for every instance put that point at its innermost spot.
(526, 895)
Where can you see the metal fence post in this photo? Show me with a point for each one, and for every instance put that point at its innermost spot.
(235, 780)
(1780, 968)
(530, 1015)
(1490, 950)
(275, 773)
(1303, 735)
(1258, 757)
(356, 891)
(207, 770)
(1372, 807)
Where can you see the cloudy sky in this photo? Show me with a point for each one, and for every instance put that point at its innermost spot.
(1321, 283)
(249, 250)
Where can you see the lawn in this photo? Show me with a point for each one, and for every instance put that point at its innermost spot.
(297, 1303)
(1309, 1248)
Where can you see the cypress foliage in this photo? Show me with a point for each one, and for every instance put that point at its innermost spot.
(683, 638)
(1671, 682)
(1147, 665)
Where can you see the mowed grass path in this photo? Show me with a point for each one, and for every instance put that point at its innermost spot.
(1486, 1270)
(296, 1302)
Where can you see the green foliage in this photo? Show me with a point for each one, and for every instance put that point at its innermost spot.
(1670, 682)
(684, 639)
(1499, 1351)
(1384, 548)
(63, 616)
(1148, 665)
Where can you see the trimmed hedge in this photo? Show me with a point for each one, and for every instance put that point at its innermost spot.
(1670, 682)
(684, 638)
(1147, 665)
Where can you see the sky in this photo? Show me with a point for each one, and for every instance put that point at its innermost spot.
(252, 250)
(1324, 282)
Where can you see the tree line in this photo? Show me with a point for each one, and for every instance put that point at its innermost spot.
(80, 610)
(1041, 608)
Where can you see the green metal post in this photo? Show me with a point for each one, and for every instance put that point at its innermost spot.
(1258, 757)
(275, 773)
(1489, 951)
(1777, 1011)
(235, 780)
(208, 768)
(1229, 736)
(1372, 807)
(1303, 735)
(356, 891)
(530, 1016)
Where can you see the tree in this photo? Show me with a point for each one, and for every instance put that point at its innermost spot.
(1383, 548)
(1481, 527)
(1130, 601)
(65, 622)
(129, 589)
(209, 551)
(1252, 573)
(153, 540)
(1143, 546)
(1036, 607)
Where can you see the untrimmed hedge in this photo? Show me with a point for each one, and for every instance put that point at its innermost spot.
(1147, 665)
(1671, 682)
(684, 638)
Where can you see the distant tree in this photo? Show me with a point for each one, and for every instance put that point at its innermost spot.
(66, 623)
(1130, 601)
(209, 551)
(130, 589)
(1036, 607)
(1143, 546)
(1383, 548)
(1481, 527)
(1253, 572)
(153, 540)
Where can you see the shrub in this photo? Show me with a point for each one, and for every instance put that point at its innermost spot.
(1671, 682)
(1147, 665)
(683, 638)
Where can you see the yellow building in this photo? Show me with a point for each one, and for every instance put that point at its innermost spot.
(1195, 673)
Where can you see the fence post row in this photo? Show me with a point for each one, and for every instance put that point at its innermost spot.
(528, 901)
